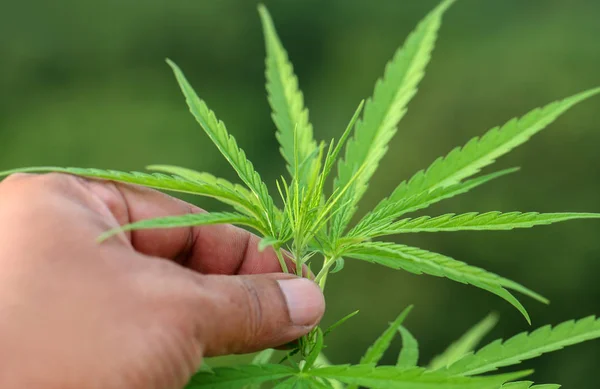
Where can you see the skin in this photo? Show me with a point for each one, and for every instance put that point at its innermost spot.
(140, 310)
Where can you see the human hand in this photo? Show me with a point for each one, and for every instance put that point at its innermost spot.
(141, 309)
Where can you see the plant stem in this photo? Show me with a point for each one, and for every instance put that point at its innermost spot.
(298, 259)
(307, 342)
(284, 267)
(321, 278)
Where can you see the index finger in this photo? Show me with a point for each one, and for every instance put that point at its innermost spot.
(214, 249)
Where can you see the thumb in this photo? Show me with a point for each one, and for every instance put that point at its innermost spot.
(242, 314)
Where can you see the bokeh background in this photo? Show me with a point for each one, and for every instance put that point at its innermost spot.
(84, 83)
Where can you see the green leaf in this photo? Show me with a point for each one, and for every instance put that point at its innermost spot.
(322, 361)
(340, 322)
(382, 343)
(193, 175)
(478, 153)
(286, 100)
(333, 153)
(391, 208)
(420, 261)
(392, 377)
(474, 221)
(528, 385)
(339, 265)
(409, 354)
(227, 145)
(383, 112)
(268, 242)
(378, 348)
(263, 357)
(425, 199)
(242, 199)
(228, 194)
(187, 220)
(465, 344)
(205, 367)
(328, 210)
(302, 383)
(315, 352)
(236, 377)
(204, 177)
(291, 383)
(526, 346)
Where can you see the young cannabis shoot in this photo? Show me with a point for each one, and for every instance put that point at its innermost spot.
(315, 222)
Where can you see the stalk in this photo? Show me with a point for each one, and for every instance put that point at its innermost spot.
(321, 277)
(307, 342)
(284, 267)
(299, 264)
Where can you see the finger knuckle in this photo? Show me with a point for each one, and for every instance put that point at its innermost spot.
(254, 313)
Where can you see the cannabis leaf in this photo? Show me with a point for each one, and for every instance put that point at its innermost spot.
(389, 209)
(383, 113)
(236, 377)
(392, 377)
(526, 346)
(262, 358)
(420, 261)
(289, 114)
(474, 221)
(227, 145)
(465, 344)
(528, 385)
(340, 322)
(382, 343)
(333, 152)
(314, 353)
(302, 383)
(204, 177)
(187, 220)
(376, 350)
(313, 221)
(208, 186)
(158, 181)
(409, 354)
(464, 162)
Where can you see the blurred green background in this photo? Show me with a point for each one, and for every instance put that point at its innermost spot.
(84, 83)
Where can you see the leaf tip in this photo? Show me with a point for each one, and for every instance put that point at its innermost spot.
(170, 62)
(444, 5)
(264, 14)
(594, 91)
(361, 105)
(108, 234)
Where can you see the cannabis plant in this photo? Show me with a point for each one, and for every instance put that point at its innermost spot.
(313, 224)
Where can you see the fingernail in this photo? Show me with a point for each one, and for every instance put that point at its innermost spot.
(305, 301)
